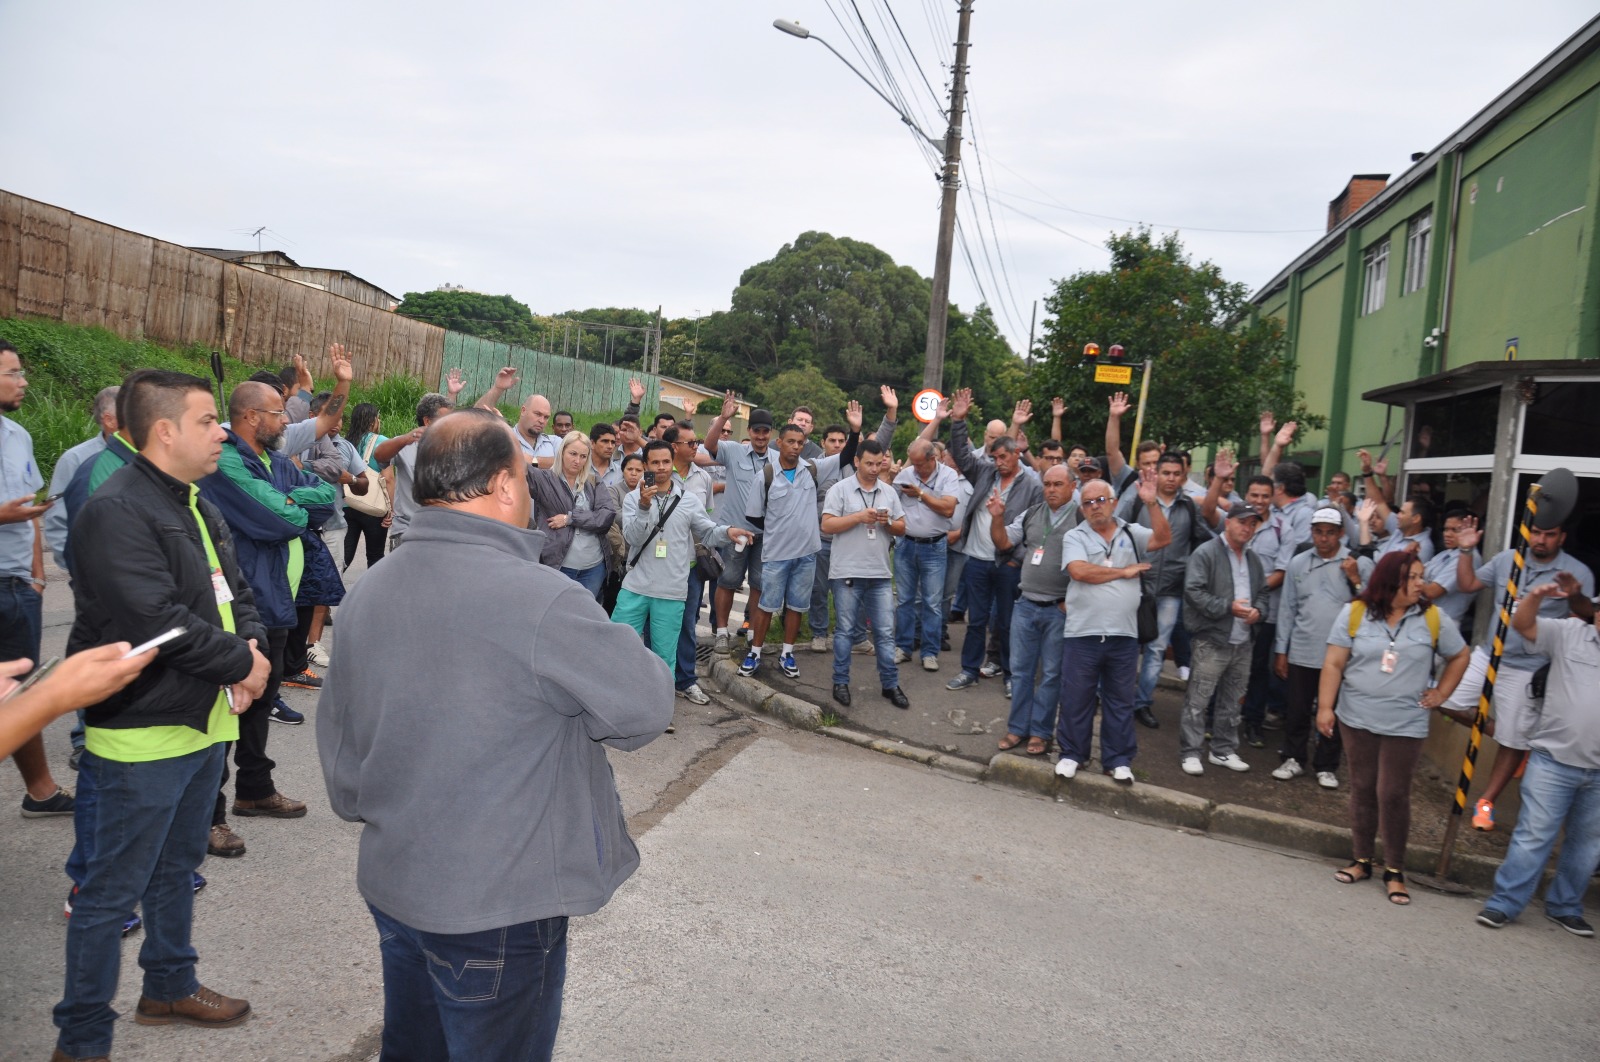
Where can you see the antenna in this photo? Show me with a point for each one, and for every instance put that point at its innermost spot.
(257, 235)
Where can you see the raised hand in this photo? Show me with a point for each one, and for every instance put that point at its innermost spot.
(690, 405)
(1567, 585)
(1147, 486)
(1382, 467)
(852, 415)
(1120, 404)
(891, 401)
(342, 370)
(1223, 466)
(1544, 590)
(1367, 506)
(1057, 406)
(1365, 457)
(454, 384)
(961, 404)
(506, 378)
(1468, 537)
(302, 375)
(1023, 413)
(636, 389)
(942, 411)
(1269, 423)
(730, 406)
(1286, 434)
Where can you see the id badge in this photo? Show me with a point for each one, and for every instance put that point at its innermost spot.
(661, 549)
(1038, 556)
(872, 532)
(219, 586)
(1389, 659)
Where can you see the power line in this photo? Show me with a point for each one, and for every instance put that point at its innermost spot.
(983, 187)
(937, 102)
(1047, 225)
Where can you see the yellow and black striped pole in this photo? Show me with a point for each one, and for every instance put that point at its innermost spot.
(1508, 604)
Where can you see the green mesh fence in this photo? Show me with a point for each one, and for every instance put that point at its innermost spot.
(580, 386)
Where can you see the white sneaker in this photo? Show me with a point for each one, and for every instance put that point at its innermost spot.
(1191, 765)
(991, 670)
(901, 656)
(1327, 780)
(1066, 768)
(1183, 673)
(694, 694)
(1122, 775)
(864, 647)
(822, 645)
(930, 663)
(721, 645)
(1289, 768)
(1231, 761)
(317, 654)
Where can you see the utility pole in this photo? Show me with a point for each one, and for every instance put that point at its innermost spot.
(1032, 320)
(939, 304)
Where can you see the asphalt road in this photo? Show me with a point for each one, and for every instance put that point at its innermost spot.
(800, 898)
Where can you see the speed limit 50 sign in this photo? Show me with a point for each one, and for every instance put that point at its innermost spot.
(926, 404)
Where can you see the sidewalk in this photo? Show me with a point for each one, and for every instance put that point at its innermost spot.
(960, 731)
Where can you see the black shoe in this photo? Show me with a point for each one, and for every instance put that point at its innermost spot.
(1254, 737)
(944, 644)
(957, 617)
(1572, 924)
(1145, 717)
(841, 693)
(1493, 919)
(897, 697)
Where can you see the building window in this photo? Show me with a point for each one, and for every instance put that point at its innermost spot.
(1375, 277)
(1419, 235)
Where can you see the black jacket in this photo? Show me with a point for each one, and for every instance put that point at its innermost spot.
(140, 569)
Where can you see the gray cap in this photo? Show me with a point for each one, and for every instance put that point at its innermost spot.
(1241, 511)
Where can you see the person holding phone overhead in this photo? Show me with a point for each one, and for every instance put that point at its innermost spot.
(152, 555)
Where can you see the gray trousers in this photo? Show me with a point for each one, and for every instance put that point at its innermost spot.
(1224, 670)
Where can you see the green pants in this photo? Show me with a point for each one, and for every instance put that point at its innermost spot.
(665, 619)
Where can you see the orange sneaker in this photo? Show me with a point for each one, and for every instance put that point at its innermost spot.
(1483, 815)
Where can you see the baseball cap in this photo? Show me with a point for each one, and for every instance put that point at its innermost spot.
(760, 418)
(1241, 511)
(1328, 515)
(1089, 464)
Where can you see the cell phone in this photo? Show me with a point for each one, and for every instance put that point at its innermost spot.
(649, 478)
(28, 683)
(52, 498)
(160, 639)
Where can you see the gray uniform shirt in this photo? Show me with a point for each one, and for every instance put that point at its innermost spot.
(404, 503)
(1569, 724)
(67, 465)
(666, 577)
(19, 475)
(744, 468)
(1297, 520)
(1442, 570)
(1043, 532)
(788, 509)
(1314, 590)
(857, 554)
(1518, 653)
(1386, 702)
(1267, 545)
(921, 521)
(1104, 609)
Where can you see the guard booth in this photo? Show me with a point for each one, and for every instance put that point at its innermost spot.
(1483, 434)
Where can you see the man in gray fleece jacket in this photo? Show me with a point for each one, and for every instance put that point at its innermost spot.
(464, 671)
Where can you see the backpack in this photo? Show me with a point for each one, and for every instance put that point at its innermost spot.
(1358, 609)
(1198, 529)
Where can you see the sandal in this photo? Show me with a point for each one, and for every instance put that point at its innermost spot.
(1038, 746)
(1358, 870)
(1399, 897)
(1009, 742)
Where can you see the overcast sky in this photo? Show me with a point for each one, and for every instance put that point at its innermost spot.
(641, 154)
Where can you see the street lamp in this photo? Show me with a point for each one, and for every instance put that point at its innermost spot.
(950, 182)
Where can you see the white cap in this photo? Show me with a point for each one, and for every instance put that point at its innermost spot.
(1328, 515)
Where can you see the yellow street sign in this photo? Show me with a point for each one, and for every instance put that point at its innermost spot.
(1113, 374)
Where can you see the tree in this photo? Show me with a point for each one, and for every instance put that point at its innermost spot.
(803, 387)
(1216, 364)
(497, 317)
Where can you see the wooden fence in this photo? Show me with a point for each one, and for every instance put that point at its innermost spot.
(65, 267)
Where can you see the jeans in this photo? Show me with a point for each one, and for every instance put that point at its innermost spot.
(592, 578)
(1300, 738)
(250, 752)
(85, 807)
(1036, 635)
(855, 600)
(919, 586)
(683, 672)
(1105, 664)
(490, 996)
(1553, 795)
(1182, 645)
(1167, 611)
(786, 584)
(1267, 692)
(150, 835)
(818, 617)
(663, 620)
(1224, 670)
(991, 588)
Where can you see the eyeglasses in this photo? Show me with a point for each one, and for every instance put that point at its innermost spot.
(1094, 501)
(18, 373)
(273, 412)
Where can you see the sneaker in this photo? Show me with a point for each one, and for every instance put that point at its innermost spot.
(282, 713)
(72, 760)
(1482, 816)
(694, 694)
(207, 1009)
(930, 663)
(1492, 918)
(1289, 768)
(58, 803)
(1231, 761)
(790, 668)
(224, 843)
(721, 644)
(129, 924)
(317, 654)
(962, 681)
(1183, 673)
(276, 806)
(1327, 780)
(1008, 689)
(1191, 765)
(1273, 721)
(822, 645)
(864, 647)
(901, 656)
(199, 881)
(306, 680)
(1122, 775)
(1254, 737)
(1066, 768)
(752, 664)
(991, 670)
(1572, 924)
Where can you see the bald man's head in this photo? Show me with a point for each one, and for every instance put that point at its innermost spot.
(535, 414)
(462, 457)
(255, 413)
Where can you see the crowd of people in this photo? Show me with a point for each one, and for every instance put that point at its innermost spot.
(1073, 575)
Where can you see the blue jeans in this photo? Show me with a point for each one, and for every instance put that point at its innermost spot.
(683, 673)
(919, 586)
(491, 996)
(991, 588)
(1267, 691)
(85, 806)
(855, 600)
(591, 579)
(1104, 664)
(786, 584)
(818, 619)
(1036, 635)
(1553, 795)
(1167, 612)
(150, 832)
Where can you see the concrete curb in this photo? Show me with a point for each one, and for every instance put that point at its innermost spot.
(1096, 792)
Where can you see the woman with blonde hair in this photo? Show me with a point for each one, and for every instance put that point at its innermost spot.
(574, 512)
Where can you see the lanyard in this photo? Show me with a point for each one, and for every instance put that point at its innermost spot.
(866, 504)
(1394, 635)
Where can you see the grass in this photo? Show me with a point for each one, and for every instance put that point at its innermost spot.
(68, 364)
(830, 719)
